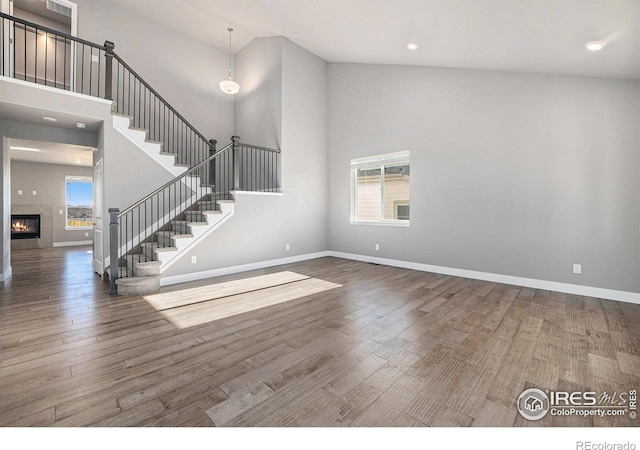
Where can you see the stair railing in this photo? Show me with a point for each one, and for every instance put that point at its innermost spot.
(41, 55)
(148, 224)
(134, 97)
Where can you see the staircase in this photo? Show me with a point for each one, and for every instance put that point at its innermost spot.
(149, 236)
(202, 209)
(158, 230)
(166, 247)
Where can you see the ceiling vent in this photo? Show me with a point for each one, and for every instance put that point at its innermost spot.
(58, 8)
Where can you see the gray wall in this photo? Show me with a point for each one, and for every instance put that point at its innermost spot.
(512, 174)
(258, 105)
(185, 72)
(283, 103)
(48, 180)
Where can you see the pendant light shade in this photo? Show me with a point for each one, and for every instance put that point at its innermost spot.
(229, 86)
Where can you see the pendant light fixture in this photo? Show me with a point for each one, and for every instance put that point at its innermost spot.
(229, 86)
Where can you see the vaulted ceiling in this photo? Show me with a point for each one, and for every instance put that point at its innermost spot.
(539, 36)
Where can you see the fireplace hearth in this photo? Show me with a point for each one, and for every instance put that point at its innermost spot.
(25, 226)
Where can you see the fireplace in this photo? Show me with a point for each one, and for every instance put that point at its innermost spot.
(25, 226)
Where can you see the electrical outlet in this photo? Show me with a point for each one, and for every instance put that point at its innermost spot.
(34, 192)
(577, 268)
(95, 59)
(86, 234)
(19, 191)
(60, 211)
(377, 247)
(194, 259)
(287, 247)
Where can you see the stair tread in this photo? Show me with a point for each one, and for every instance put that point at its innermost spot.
(204, 211)
(149, 263)
(174, 235)
(165, 249)
(126, 116)
(186, 222)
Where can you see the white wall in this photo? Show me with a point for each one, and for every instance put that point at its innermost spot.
(511, 174)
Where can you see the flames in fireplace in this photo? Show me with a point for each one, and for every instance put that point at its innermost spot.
(19, 227)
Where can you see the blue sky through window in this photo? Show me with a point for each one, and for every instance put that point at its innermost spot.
(79, 193)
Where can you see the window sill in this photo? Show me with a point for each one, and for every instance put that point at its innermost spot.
(401, 224)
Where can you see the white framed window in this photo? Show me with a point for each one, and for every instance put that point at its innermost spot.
(380, 189)
(78, 203)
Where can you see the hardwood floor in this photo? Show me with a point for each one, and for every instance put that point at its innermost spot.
(387, 347)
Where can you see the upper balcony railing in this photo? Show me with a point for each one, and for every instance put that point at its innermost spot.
(41, 55)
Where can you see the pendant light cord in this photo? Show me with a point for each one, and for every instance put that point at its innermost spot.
(230, 30)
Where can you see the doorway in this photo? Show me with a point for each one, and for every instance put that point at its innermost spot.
(53, 181)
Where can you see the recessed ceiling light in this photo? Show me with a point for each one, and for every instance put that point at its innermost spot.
(81, 125)
(594, 46)
(50, 119)
(412, 46)
(25, 149)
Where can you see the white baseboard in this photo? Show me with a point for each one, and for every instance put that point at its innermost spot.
(609, 294)
(72, 243)
(166, 281)
(6, 275)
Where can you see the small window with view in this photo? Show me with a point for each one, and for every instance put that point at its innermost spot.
(79, 203)
(380, 189)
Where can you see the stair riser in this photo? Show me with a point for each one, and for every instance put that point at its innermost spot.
(180, 228)
(208, 206)
(138, 285)
(165, 241)
(195, 216)
(133, 259)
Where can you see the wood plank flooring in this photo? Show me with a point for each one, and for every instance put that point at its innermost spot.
(383, 347)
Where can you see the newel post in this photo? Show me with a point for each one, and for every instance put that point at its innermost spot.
(212, 164)
(108, 69)
(235, 155)
(113, 250)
